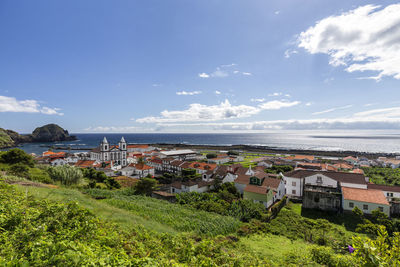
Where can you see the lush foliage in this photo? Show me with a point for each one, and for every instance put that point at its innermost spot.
(371, 225)
(211, 155)
(43, 233)
(145, 186)
(383, 251)
(65, 174)
(15, 156)
(279, 169)
(379, 175)
(95, 177)
(225, 201)
(178, 217)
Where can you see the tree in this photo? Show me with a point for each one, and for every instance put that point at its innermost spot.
(233, 153)
(19, 169)
(15, 156)
(145, 186)
(211, 155)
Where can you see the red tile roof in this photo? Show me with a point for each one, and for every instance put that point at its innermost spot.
(364, 195)
(85, 163)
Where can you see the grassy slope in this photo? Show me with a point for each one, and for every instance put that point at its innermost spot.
(153, 214)
(106, 212)
(5, 139)
(275, 249)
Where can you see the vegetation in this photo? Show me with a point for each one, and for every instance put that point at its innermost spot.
(379, 175)
(178, 217)
(66, 174)
(383, 251)
(225, 201)
(279, 169)
(98, 177)
(43, 233)
(211, 155)
(145, 186)
(15, 156)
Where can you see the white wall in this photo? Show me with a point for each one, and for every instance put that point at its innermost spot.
(294, 184)
(363, 186)
(326, 181)
(371, 206)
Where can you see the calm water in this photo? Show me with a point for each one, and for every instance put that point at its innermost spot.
(333, 141)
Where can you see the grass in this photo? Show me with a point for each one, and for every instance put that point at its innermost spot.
(274, 248)
(157, 215)
(181, 218)
(107, 212)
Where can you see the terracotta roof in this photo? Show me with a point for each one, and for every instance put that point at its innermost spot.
(138, 146)
(256, 189)
(358, 171)
(185, 165)
(271, 182)
(203, 166)
(364, 195)
(157, 160)
(390, 188)
(176, 163)
(301, 157)
(343, 166)
(85, 163)
(343, 177)
(141, 166)
(350, 158)
(164, 194)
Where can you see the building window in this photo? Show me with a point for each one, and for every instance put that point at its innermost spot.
(365, 207)
(381, 209)
(294, 192)
(351, 205)
(293, 183)
(319, 180)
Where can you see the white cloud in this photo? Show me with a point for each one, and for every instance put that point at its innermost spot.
(364, 39)
(225, 110)
(370, 104)
(188, 93)
(219, 73)
(156, 84)
(290, 52)
(331, 110)
(199, 112)
(204, 75)
(308, 104)
(276, 104)
(277, 12)
(117, 129)
(247, 73)
(287, 95)
(217, 92)
(236, 71)
(257, 99)
(275, 94)
(11, 104)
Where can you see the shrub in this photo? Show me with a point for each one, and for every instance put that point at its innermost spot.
(66, 174)
(211, 155)
(15, 156)
(19, 169)
(145, 186)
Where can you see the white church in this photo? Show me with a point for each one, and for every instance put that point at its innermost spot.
(115, 153)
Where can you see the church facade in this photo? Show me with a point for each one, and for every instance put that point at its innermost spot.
(110, 153)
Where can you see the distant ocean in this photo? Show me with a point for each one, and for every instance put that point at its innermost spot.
(386, 142)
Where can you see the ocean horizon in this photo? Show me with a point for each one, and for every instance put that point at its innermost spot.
(370, 142)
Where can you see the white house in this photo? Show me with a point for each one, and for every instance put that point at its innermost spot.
(106, 152)
(295, 180)
(367, 200)
(190, 186)
(390, 191)
(58, 162)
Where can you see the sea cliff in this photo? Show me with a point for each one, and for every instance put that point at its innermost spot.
(46, 133)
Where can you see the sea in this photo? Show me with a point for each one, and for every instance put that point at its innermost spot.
(360, 141)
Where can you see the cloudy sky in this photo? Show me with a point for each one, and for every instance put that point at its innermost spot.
(199, 66)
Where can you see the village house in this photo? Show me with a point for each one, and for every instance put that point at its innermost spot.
(265, 190)
(294, 180)
(140, 169)
(156, 163)
(367, 200)
(190, 186)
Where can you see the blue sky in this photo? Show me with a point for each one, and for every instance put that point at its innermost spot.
(199, 66)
